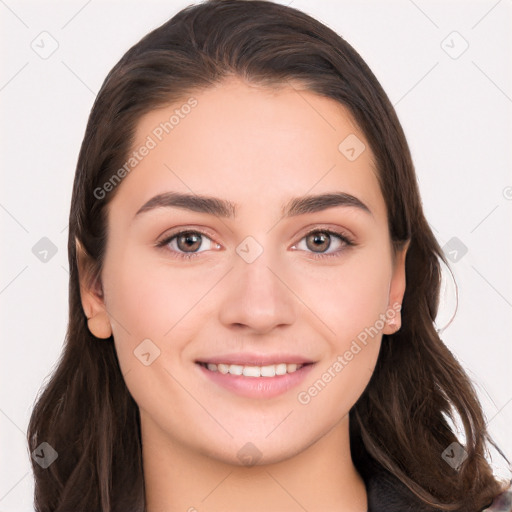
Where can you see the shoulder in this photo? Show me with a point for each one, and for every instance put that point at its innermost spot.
(502, 503)
(388, 494)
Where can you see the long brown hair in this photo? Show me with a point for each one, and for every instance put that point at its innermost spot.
(85, 411)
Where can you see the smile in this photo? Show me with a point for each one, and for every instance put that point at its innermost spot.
(253, 371)
(254, 381)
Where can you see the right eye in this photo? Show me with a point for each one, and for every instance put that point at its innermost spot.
(186, 243)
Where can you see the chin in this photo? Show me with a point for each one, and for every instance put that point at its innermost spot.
(259, 451)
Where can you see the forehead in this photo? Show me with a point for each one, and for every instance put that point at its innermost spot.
(249, 143)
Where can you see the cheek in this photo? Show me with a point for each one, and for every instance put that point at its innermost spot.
(144, 302)
(146, 293)
(349, 297)
(337, 386)
(149, 299)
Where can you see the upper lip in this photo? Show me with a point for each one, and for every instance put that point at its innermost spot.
(246, 359)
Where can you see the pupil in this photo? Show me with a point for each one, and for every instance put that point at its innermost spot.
(192, 238)
(323, 239)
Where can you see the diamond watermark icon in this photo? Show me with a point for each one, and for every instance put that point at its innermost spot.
(454, 45)
(455, 455)
(45, 45)
(249, 454)
(44, 250)
(455, 249)
(44, 455)
(146, 352)
(249, 249)
(351, 147)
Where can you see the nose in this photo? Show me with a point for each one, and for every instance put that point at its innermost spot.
(257, 296)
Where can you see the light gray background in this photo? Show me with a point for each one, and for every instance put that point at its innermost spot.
(456, 113)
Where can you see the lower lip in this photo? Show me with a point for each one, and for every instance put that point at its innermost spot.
(258, 387)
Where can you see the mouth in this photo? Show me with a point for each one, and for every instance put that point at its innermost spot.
(271, 370)
(244, 377)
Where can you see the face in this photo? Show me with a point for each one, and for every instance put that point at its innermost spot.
(256, 282)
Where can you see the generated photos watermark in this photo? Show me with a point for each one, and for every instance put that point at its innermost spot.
(304, 397)
(152, 140)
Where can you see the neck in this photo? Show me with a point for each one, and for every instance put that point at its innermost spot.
(320, 478)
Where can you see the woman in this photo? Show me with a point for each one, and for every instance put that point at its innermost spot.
(253, 289)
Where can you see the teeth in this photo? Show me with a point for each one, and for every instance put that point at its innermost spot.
(251, 371)
(223, 368)
(281, 369)
(236, 369)
(268, 371)
(254, 371)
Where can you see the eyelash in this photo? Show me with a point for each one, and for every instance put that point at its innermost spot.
(188, 256)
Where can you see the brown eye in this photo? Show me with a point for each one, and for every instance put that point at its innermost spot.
(189, 241)
(318, 241)
(188, 244)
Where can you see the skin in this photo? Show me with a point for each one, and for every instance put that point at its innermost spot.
(257, 147)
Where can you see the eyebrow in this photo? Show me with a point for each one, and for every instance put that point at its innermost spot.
(227, 209)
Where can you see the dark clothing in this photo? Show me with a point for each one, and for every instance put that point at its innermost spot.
(388, 494)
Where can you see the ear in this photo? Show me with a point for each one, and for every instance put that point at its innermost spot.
(396, 290)
(91, 294)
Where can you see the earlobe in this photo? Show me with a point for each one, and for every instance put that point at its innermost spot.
(396, 292)
(99, 326)
(91, 295)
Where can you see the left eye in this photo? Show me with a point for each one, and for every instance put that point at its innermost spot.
(320, 240)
